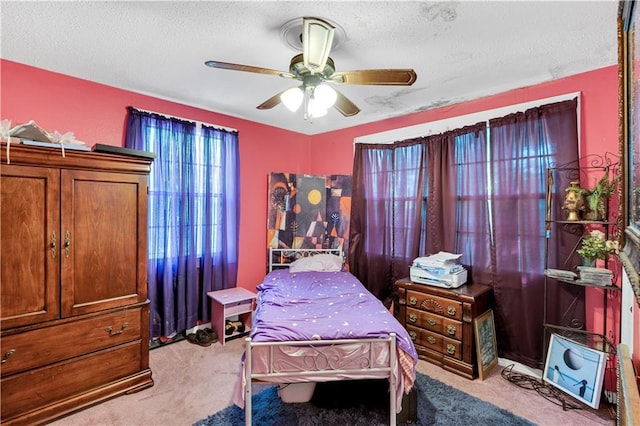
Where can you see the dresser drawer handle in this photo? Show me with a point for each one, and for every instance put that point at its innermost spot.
(451, 310)
(8, 355)
(413, 335)
(451, 349)
(413, 317)
(413, 300)
(431, 339)
(451, 329)
(431, 321)
(115, 333)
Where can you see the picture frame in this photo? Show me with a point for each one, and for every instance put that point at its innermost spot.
(486, 346)
(629, 143)
(575, 369)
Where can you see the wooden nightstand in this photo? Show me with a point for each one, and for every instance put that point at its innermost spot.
(440, 322)
(230, 302)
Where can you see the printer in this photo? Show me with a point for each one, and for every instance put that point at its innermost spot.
(440, 270)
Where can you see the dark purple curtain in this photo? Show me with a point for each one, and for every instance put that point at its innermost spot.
(441, 197)
(522, 147)
(193, 211)
(472, 228)
(484, 200)
(386, 212)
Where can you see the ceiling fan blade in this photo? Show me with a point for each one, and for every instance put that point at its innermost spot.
(248, 68)
(317, 39)
(381, 77)
(272, 101)
(345, 106)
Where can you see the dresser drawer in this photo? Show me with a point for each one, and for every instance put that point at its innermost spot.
(439, 305)
(24, 392)
(436, 342)
(47, 345)
(436, 323)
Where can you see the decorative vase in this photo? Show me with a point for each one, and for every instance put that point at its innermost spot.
(573, 200)
(588, 262)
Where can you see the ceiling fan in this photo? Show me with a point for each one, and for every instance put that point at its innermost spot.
(314, 68)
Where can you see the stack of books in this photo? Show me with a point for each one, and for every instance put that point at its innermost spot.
(561, 274)
(596, 276)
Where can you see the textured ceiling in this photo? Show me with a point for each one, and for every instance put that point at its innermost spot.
(460, 50)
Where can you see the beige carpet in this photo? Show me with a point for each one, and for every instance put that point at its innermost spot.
(193, 382)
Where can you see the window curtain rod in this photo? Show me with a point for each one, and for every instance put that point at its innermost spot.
(199, 123)
(455, 122)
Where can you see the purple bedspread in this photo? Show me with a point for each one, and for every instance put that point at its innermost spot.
(322, 305)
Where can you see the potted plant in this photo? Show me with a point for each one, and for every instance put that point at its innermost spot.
(594, 246)
(596, 198)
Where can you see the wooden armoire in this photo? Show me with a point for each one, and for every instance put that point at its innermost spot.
(74, 318)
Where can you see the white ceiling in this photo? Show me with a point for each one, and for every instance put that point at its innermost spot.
(460, 50)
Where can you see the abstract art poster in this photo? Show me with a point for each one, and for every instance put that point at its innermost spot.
(308, 211)
(575, 369)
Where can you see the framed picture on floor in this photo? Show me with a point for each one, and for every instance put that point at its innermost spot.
(486, 347)
(575, 369)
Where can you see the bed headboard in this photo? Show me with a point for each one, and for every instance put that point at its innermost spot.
(281, 258)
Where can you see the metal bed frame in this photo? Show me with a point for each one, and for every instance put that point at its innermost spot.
(322, 358)
(286, 256)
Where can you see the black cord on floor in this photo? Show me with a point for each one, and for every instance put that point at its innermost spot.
(548, 392)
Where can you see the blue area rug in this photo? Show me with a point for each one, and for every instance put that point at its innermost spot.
(365, 402)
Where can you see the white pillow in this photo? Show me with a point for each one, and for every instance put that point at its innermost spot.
(317, 263)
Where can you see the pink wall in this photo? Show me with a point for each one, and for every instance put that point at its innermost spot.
(636, 337)
(97, 113)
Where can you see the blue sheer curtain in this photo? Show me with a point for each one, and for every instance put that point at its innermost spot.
(193, 216)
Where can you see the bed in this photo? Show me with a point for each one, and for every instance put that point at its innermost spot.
(316, 322)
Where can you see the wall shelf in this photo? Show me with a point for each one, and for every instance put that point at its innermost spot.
(563, 238)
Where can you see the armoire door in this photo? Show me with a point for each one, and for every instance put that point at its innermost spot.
(30, 245)
(104, 238)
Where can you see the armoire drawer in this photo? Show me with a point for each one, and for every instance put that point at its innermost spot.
(439, 305)
(444, 345)
(436, 323)
(24, 392)
(47, 345)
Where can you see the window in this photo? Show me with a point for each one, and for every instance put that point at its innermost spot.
(193, 208)
(185, 188)
(481, 194)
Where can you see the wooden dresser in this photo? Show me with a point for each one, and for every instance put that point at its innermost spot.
(440, 322)
(74, 319)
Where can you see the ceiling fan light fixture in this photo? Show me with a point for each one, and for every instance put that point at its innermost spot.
(317, 39)
(292, 98)
(316, 109)
(325, 95)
